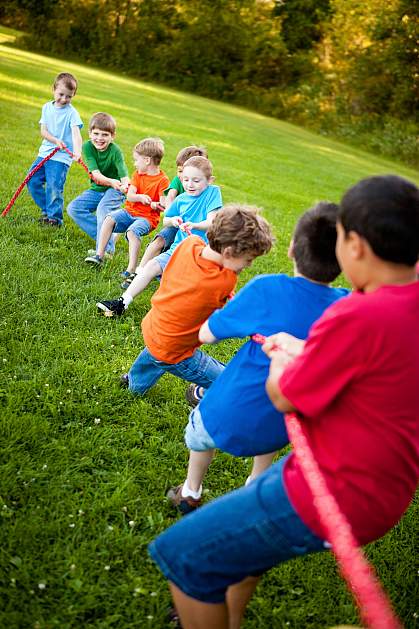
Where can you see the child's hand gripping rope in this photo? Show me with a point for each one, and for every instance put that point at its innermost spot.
(37, 167)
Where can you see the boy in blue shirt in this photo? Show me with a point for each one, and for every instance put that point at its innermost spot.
(60, 126)
(193, 212)
(236, 414)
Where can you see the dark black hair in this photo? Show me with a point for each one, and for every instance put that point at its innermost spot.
(314, 243)
(385, 211)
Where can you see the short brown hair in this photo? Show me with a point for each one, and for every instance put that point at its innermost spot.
(68, 79)
(241, 228)
(190, 151)
(102, 121)
(200, 162)
(151, 147)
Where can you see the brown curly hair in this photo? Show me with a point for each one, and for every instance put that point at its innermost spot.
(241, 228)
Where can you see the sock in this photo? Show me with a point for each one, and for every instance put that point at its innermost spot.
(249, 479)
(188, 492)
(127, 300)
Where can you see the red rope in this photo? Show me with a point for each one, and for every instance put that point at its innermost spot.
(34, 170)
(373, 604)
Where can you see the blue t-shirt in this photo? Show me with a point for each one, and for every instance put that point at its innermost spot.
(236, 410)
(195, 209)
(59, 122)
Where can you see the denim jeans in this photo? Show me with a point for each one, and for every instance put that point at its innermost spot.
(82, 209)
(146, 370)
(124, 221)
(244, 533)
(46, 187)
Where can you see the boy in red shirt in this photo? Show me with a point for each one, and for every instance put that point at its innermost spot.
(354, 386)
(142, 209)
(197, 280)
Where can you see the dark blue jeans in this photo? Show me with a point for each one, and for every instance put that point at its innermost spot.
(47, 187)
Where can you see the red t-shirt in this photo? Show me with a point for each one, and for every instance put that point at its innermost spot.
(191, 289)
(356, 386)
(154, 186)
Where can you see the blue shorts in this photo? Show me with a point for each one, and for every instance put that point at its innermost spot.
(244, 533)
(163, 259)
(124, 222)
(168, 234)
(196, 436)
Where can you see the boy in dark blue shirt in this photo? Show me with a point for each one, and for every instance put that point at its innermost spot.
(236, 415)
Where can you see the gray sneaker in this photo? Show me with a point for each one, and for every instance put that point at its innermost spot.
(94, 260)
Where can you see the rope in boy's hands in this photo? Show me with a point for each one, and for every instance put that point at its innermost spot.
(37, 167)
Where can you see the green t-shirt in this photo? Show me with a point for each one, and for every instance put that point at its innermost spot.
(175, 184)
(110, 163)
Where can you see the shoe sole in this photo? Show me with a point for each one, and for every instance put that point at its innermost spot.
(92, 263)
(103, 309)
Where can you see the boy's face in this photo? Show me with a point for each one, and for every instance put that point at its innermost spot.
(141, 162)
(194, 180)
(100, 138)
(236, 263)
(62, 94)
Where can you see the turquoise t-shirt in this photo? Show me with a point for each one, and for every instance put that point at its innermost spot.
(59, 122)
(195, 209)
(110, 163)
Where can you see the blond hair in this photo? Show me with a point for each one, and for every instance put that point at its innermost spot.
(241, 228)
(102, 121)
(151, 147)
(201, 163)
(188, 152)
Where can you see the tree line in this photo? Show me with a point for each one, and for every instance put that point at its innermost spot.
(343, 67)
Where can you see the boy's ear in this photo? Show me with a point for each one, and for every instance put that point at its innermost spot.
(290, 251)
(357, 245)
(211, 179)
(227, 253)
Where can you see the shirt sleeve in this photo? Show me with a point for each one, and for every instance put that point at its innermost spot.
(163, 186)
(121, 167)
(44, 115)
(241, 315)
(215, 201)
(175, 184)
(333, 356)
(89, 156)
(75, 120)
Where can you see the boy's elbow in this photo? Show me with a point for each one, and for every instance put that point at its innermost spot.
(205, 335)
(280, 402)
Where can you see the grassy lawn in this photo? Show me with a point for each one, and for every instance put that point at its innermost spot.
(85, 465)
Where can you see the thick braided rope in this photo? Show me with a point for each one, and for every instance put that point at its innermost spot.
(34, 170)
(373, 604)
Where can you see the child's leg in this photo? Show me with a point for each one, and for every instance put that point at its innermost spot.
(140, 227)
(111, 200)
(144, 276)
(82, 209)
(144, 373)
(260, 464)
(199, 463)
(36, 186)
(56, 174)
(199, 368)
(153, 249)
(105, 234)
(201, 452)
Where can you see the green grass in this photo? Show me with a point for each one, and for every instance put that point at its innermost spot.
(71, 484)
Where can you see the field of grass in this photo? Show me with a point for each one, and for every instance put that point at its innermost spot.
(84, 464)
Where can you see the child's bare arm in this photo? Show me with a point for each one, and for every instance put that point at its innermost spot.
(51, 138)
(279, 361)
(205, 334)
(124, 184)
(171, 196)
(132, 196)
(202, 226)
(173, 221)
(106, 181)
(77, 141)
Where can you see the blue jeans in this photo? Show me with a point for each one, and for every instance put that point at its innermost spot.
(146, 370)
(197, 437)
(82, 209)
(168, 234)
(124, 221)
(47, 186)
(244, 533)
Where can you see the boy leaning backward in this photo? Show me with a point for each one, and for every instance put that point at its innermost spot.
(165, 237)
(197, 280)
(142, 209)
(354, 387)
(106, 162)
(60, 126)
(194, 210)
(236, 415)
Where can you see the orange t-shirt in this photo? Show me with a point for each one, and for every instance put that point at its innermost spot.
(154, 186)
(191, 289)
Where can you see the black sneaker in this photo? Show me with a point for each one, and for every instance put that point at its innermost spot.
(111, 308)
(95, 260)
(128, 280)
(124, 381)
(185, 505)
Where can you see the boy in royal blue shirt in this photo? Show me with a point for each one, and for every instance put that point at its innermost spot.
(194, 211)
(236, 415)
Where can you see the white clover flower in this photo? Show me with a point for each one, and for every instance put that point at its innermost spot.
(42, 586)
(72, 525)
(107, 568)
(131, 523)
(97, 419)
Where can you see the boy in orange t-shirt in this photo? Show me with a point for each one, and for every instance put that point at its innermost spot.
(197, 280)
(142, 209)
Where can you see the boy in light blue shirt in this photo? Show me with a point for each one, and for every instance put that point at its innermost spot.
(192, 212)
(60, 126)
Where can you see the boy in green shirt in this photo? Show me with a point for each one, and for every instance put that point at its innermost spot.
(106, 163)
